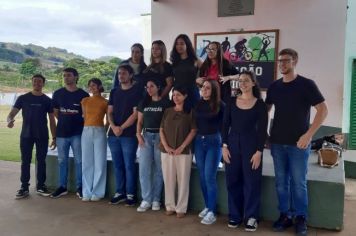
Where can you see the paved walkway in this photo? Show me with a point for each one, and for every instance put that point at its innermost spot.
(37, 216)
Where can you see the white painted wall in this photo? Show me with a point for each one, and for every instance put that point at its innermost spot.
(350, 54)
(315, 28)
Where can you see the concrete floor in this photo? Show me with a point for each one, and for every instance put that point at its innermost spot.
(37, 216)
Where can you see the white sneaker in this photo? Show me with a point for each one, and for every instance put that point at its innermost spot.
(144, 206)
(251, 225)
(156, 206)
(95, 199)
(85, 199)
(203, 213)
(209, 218)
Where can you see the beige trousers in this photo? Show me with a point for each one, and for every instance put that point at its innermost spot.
(176, 170)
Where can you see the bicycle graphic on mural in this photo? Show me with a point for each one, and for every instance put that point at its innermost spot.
(241, 52)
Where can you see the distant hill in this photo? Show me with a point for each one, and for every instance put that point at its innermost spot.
(49, 57)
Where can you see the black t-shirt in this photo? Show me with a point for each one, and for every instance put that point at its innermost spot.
(207, 121)
(152, 113)
(158, 73)
(185, 73)
(246, 122)
(124, 102)
(34, 114)
(70, 119)
(292, 102)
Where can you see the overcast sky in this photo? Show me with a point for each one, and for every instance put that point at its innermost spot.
(91, 28)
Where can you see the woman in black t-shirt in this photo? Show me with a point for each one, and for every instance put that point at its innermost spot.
(150, 112)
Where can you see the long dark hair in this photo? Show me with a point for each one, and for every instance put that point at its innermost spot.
(256, 91)
(215, 100)
(148, 99)
(219, 58)
(186, 106)
(175, 57)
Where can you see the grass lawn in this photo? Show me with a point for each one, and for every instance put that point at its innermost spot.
(9, 138)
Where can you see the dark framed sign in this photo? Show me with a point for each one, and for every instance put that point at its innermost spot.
(246, 50)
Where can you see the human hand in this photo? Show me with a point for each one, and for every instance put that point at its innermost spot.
(256, 160)
(117, 130)
(179, 150)
(304, 141)
(226, 155)
(53, 144)
(140, 139)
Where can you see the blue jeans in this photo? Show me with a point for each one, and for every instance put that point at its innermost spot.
(63, 145)
(290, 168)
(94, 146)
(150, 168)
(208, 155)
(123, 152)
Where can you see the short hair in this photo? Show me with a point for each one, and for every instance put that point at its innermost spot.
(98, 83)
(39, 76)
(72, 70)
(127, 67)
(289, 51)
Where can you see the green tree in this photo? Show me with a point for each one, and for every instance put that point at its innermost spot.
(30, 66)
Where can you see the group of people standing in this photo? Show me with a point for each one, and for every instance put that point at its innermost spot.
(202, 118)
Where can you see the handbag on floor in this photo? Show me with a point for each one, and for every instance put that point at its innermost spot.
(329, 154)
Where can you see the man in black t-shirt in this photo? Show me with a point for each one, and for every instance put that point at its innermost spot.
(292, 97)
(68, 111)
(35, 106)
(122, 141)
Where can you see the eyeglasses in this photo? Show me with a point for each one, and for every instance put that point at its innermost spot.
(284, 61)
(210, 50)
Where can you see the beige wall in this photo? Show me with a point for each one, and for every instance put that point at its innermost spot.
(315, 28)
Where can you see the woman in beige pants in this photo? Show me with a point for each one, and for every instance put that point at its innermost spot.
(177, 131)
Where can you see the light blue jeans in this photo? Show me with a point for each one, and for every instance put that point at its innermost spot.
(290, 168)
(63, 145)
(94, 145)
(150, 168)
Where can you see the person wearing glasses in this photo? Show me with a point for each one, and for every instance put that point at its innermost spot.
(150, 112)
(244, 134)
(137, 62)
(214, 66)
(293, 96)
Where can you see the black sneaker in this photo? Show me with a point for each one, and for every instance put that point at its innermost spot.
(282, 223)
(233, 224)
(43, 191)
(22, 193)
(130, 200)
(59, 192)
(117, 198)
(251, 225)
(80, 192)
(301, 225)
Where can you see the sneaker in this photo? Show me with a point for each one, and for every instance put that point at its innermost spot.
(85, 199)
(80, 192)
(144, 206)
(282, 223)
(43, 191)
(209, 218)
(156, 206)
(233, 224)
(95, 199)
(22, 193)
(130, 200)
(59, 192)
(301, 225)
(118, 198)
(203, 213)
(180, 215)
(251, 225)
